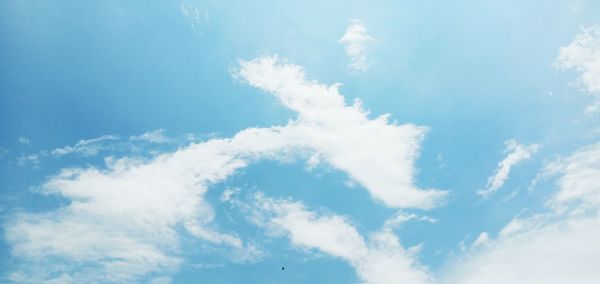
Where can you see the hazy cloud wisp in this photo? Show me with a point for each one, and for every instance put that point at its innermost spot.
(355, 40)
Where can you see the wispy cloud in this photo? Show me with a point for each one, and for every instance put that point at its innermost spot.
(379, 259)
(197, 18)
(481, 240)
(516, 154)
(228, 194)
(583, 55)
(355, 40)
(401, 217)
(559, 246)
(156, 136)
(579, 182)
(24, 141)
(89, 147)
(29, 159)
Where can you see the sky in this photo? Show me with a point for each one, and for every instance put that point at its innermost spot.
(374, 142)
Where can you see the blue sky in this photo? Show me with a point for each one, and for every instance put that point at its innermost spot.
(347, 141)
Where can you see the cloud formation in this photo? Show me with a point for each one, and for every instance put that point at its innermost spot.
(89, 147)
(24, 141)
(121, 222)
(29, 159)
(155, 136)
(583, 55)
(126, 220)
(516, 154)
(377, 154)
(380, 259)
(560, 246)
(355, 40)
(579, 182)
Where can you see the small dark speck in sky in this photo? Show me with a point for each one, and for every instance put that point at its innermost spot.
(282, 268)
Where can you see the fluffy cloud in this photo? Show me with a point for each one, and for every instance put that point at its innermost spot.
(379, 259)
(579, 182)
(555, 252)
(121, 222)
(355, 39)
(375, 153)
(126, 220)
(556, 247)
(89, 147)
(516, 154)
(583, 55)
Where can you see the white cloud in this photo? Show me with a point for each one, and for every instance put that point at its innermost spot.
(556, 247)
(562, 252)
(88, 147)
(579, 182)
(516, 154)
(156, 136)
(375, 153)
(379, 259)
(355, 39)
(482, 239)
(228, 194)
(583, 55)
(121, 222)
(400, 218)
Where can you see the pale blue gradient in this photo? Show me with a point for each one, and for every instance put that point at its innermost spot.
(477, 74)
